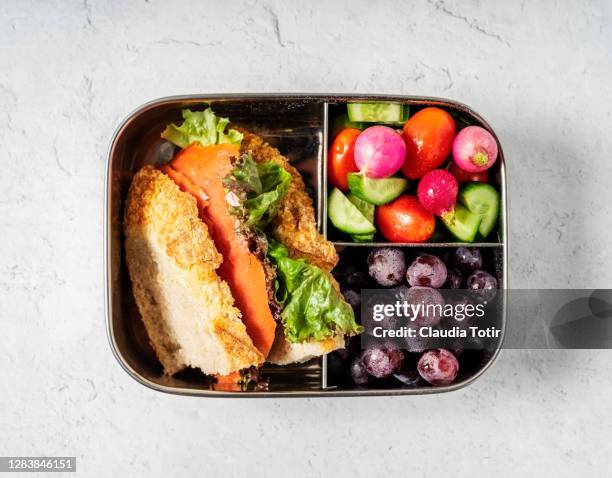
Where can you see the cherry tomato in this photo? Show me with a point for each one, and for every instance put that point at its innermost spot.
(463, 176)
(341, 160)
(405, 220)
(429, 138)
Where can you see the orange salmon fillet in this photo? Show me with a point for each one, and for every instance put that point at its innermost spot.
(200, 170)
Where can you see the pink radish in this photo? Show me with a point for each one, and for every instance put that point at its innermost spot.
(379, 151)
(474, 149)
(437, 193)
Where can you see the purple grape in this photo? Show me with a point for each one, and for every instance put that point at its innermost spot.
(456, 346)
(438, 367)
(358, 372)
(460, 299)
(454, 278)
(401, 292)
(418, 344)
(410, 378)
(387, 323)
(460, 345)
(352, 297)
(430, 313)
(358, 280)
(377, 298)
(426, 271)
(467, 259)
(387, 266)
(382, 362)
(482, 286)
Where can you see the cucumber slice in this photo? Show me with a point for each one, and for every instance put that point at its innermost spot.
(483, 200)
(364, 207)
(362, 237)
(464, 225)
(376, 191)
(341, 122)
(345, 216)
(400, 123)
(376, 112)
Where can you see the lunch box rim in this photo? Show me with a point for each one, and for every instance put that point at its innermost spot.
(324, 99)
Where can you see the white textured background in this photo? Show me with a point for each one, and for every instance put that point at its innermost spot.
(70, 71)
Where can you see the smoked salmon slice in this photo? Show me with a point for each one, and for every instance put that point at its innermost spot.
(200, 170)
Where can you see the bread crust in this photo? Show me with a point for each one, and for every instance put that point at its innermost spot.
(188, 311)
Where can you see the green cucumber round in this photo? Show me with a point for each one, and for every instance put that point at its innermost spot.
(376, 112)
(376, 191)
(345, 216)
(464, 225)
(364, 207)
(483, 200)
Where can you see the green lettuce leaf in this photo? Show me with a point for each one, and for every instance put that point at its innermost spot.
(261, 189)
(203, 127)
(262, 208)
(313, 308)
(245, 176)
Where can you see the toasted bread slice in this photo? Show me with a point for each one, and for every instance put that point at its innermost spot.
(284, 352)
(188, 311)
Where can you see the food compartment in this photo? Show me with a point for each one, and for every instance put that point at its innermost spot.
(295, 127)
(337, 121)
(390, 365)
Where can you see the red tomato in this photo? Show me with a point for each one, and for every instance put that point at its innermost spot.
(463, 176)
(341, 160)
(405, 220)
(429, 138)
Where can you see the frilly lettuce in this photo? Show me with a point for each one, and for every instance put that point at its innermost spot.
(261, 189)
(313, 308)
(203, 127)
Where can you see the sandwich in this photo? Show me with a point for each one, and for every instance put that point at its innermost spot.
(227, 266)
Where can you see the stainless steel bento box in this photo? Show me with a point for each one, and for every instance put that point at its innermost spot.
(297, 124)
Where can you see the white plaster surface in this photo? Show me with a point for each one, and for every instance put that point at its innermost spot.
(539, 71)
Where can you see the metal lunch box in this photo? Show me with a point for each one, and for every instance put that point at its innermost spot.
(298, 125)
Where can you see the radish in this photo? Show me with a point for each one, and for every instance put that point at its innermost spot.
(437, 193)
(474, 149)
(379, 152)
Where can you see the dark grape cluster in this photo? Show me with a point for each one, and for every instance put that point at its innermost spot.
(416, 277)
